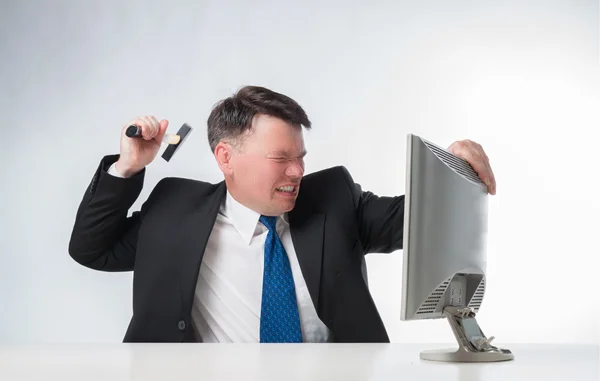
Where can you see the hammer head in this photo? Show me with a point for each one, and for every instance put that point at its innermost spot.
(183, 133)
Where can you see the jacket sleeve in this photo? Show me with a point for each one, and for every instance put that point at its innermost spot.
(103, 237)
(380, 219)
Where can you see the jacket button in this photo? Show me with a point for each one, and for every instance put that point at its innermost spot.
(181, 325)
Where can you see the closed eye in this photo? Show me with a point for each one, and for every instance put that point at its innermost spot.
(281, 157)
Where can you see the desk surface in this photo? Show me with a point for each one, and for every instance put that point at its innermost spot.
(286, 362)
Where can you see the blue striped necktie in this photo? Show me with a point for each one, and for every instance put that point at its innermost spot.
(279, 316)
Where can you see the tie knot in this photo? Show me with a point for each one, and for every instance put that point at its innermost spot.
(269, 221)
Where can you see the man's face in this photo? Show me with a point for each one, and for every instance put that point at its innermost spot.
(265, 173)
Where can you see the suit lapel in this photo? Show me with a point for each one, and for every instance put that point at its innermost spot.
(307, 230)
(196, 228)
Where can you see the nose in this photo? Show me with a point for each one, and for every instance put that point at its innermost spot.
(295, 169)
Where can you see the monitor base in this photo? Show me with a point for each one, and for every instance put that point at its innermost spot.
(473, 346)
(461, 355)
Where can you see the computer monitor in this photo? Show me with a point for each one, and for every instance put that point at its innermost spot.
(445, 238)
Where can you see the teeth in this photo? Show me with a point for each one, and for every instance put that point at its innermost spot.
(286, 189)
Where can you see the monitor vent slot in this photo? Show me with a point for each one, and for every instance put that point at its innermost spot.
(457, 164)
(477, 298)
(430, 304)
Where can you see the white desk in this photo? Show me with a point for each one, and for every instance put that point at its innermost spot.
(279, 362)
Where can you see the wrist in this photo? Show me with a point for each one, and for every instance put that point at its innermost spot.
(125, 170)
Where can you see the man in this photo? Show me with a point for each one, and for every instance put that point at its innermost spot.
(267, 255)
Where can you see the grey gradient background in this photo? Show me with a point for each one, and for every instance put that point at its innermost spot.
(519, 77)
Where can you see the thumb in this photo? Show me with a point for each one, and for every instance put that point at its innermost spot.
(162, 129)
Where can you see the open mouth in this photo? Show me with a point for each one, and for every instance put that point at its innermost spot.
(288, 189)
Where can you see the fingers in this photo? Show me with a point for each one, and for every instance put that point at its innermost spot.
(474, 154)
(149, 125)
(492, 186)
(479, 165)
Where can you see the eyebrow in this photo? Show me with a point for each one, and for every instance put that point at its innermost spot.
(286, 154)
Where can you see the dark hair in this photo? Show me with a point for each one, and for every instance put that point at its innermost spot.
(232, 116)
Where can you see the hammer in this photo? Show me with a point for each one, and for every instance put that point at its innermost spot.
(173, 140)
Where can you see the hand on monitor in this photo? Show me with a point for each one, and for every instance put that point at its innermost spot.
(474, 154)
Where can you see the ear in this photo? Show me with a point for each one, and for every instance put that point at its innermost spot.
(223, 154)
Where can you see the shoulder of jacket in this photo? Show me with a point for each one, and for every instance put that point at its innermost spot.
(327, 172)
(167, 184)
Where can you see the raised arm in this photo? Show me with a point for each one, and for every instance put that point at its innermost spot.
(380, 219)
(103, 237)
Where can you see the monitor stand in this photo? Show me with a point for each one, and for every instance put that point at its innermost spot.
(473, 346)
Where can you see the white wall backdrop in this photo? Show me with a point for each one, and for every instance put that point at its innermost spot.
(521, 78)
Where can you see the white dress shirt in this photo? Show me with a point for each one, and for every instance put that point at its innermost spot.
(227, 300)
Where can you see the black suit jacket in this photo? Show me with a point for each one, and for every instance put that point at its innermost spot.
(333, 225)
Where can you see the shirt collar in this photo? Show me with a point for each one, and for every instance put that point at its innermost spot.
(243, 218)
